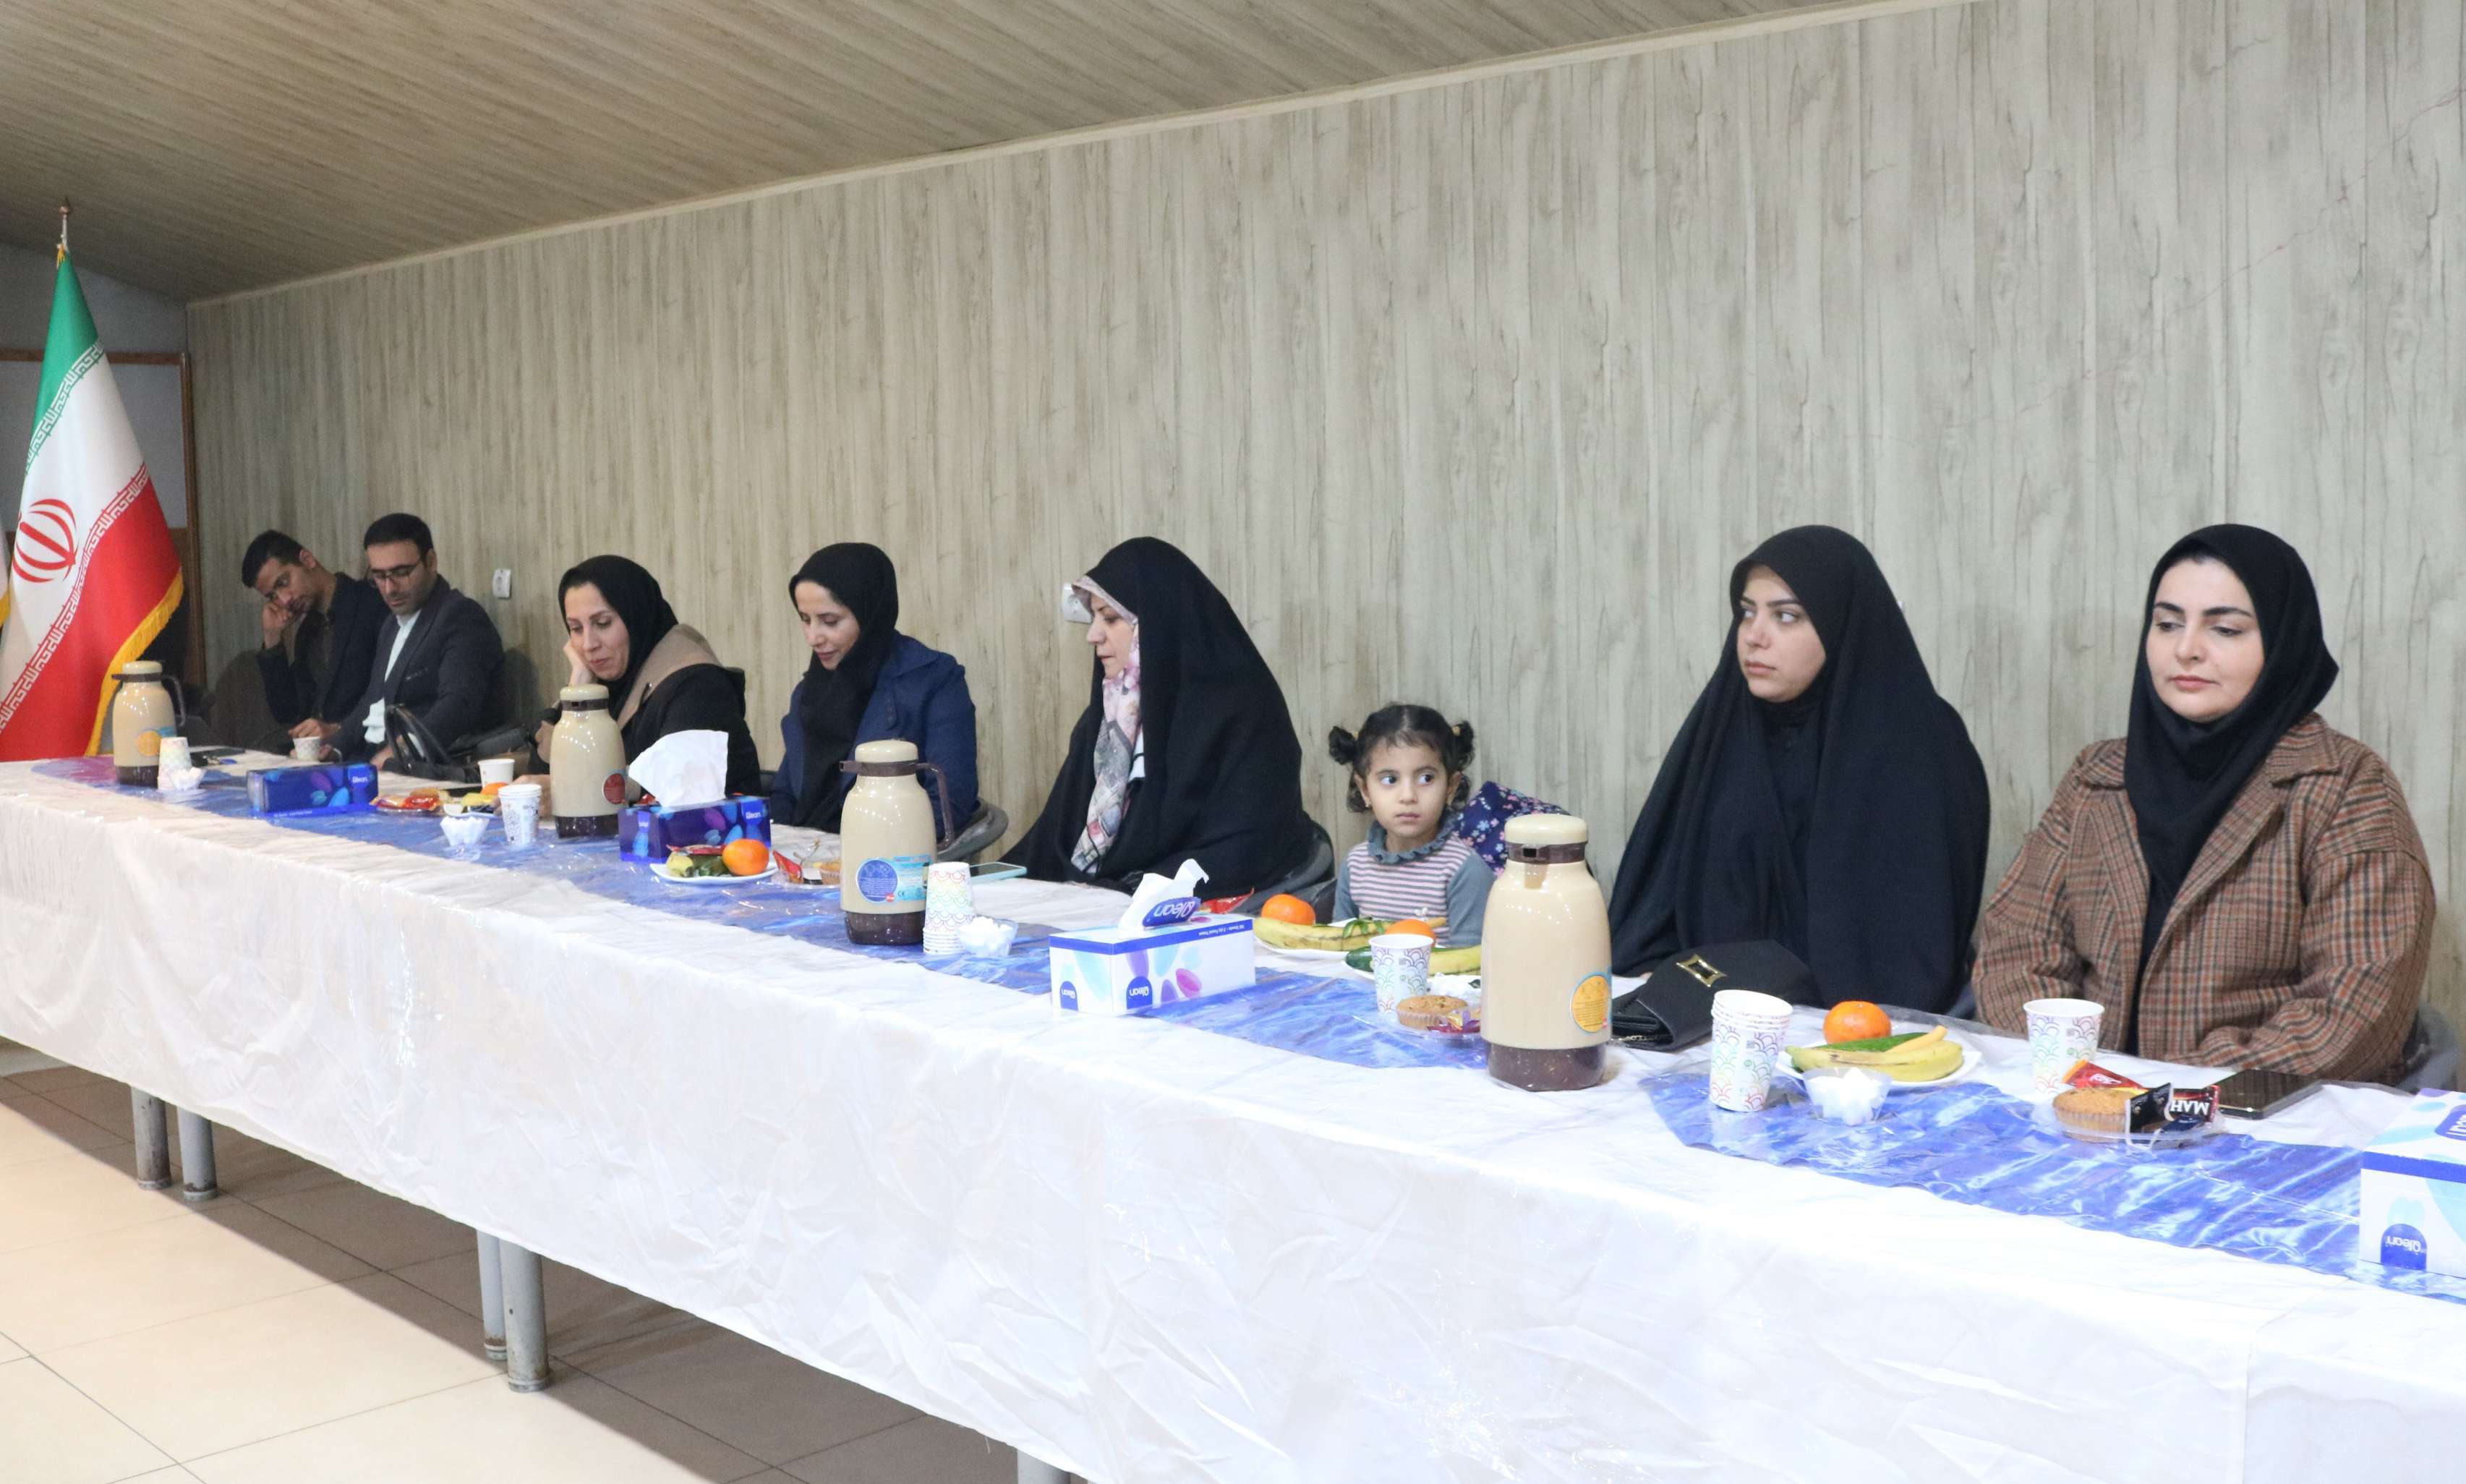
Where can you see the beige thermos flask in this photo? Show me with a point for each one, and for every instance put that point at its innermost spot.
(586, 764)
(886, 841)
(141, 718)
(1545, 960)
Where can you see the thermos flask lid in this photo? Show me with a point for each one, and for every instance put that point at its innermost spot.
(1546, 829)
(889, 751)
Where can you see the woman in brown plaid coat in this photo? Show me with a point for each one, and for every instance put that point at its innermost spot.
(2237, 884)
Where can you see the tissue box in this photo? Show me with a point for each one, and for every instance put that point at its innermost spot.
(650, 834)
(314, 788)
(1115, 971)
(2414, 1188)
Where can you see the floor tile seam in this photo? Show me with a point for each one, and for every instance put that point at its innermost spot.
(766, 1466)
(202, 1313)
(679, 1321)
(33, 1155)
(337, 1421)
(277, 1218)
(9, 1252)
(118, 1138)
(919, 1415)
(96, 1403)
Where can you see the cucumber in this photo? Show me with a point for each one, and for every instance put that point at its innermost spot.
(1874, 1044)
(1444, 960)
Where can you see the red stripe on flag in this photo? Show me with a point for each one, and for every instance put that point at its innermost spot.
(129, 569)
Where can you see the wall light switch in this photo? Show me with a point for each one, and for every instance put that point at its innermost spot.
(502, 584)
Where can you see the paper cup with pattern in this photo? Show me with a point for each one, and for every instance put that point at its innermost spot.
(2063, 1034)
(1400, 967)
(950, 901)
(518, 809)
(1748, 1028)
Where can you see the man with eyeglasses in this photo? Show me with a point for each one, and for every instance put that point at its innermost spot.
(319, 632)
(436, 656)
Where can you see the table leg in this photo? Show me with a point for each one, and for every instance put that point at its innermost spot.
(153, 1143)
(492, 1299)
(1034, 1472)
(526, 1317)
(196, 1158)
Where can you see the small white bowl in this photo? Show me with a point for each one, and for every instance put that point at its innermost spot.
(463, 831)
(1847, 1095)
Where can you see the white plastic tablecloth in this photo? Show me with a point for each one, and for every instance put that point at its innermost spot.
(1144, 1251)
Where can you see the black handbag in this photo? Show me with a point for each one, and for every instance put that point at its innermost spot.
(1672, 1009)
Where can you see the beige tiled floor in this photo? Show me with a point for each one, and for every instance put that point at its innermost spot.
(304, 1328)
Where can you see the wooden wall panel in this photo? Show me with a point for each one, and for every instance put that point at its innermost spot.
(1471, 393)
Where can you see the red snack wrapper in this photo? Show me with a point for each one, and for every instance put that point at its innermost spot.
(2090, 1074)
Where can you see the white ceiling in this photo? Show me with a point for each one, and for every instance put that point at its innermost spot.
(219, 144)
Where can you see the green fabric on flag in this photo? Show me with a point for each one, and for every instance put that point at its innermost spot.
(68, 354)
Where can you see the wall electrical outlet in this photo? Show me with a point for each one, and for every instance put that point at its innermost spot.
(502, 582)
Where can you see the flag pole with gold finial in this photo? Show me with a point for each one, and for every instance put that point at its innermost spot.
(62, 255)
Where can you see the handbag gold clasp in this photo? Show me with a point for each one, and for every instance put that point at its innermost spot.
(1703, 973)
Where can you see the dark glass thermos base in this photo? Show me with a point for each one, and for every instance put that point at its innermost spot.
(1546, 1071)
(903, 930)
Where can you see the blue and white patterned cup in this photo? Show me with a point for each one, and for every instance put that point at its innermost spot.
(2063, 1034)
(1400, 967)
(1748, 1028)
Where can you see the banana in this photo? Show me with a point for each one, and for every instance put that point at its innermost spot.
(1926, 1058)
(1326, 936)
(1918, 1048)
(1942, 1062)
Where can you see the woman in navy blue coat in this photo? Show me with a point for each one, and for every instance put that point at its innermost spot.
(866, 683)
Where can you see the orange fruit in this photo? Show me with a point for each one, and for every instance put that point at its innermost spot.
(1855, 1020)
(1290, 909)
(746, 856)
(1416, 926)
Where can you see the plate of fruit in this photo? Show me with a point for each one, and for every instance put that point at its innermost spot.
(1289, 925)
(736, 863)
(1860, 1034)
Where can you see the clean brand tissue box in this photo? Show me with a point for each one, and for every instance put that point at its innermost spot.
(1115, 970)
(650, 834)
(2414, 1188)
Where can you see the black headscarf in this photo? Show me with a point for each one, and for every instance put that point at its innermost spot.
(2182, 775)
(1224, 766)
(1848, 825)
(634, 594)
(830, 704)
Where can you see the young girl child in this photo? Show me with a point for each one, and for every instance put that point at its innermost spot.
(1408, 776)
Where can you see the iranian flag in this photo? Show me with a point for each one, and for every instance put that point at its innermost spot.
(93, 578)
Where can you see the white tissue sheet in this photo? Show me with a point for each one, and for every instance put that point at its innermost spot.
(1144, 1253)
(1154, 888)
(684, 769)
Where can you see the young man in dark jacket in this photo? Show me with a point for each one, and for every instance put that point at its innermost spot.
(436, 655)
(319, 632)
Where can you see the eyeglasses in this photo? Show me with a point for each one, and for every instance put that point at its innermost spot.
(395, 573)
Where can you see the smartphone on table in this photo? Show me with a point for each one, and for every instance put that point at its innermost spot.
(2257, 1094)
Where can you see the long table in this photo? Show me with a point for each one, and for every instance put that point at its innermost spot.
(1144, 1251)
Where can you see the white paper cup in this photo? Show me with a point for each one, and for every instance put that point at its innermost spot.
(174, 754)
(950, 904)
(518, 806)
(1748, 1028)
(2063, 1033)
(496, 770)
(1400, 967)
(308, 750)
